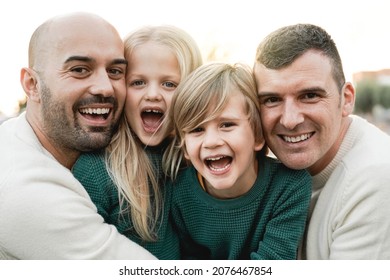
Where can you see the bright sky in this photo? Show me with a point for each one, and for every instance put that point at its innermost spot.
(360, 28)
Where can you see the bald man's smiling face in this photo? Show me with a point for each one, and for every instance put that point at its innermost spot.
(81, 68)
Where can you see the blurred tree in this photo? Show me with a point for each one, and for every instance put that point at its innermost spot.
(365, 91)
(384, 96)
(370, 93)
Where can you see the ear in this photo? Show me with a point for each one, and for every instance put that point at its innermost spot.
(259, 144)
(348, 93)
(29, 81)
(185, 153)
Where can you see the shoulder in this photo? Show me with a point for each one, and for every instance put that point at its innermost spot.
(186, 182)
(90, 164)
(368, 157)
(361, 181)
(38, 186)
(368, 142)
(278, 172)
(85, 160)
(91, 171)
(284, 183)
(186, 176)
(18, 140)
(27, 164)
(362, 175)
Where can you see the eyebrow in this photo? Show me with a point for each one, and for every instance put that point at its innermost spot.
(228, 117)
(311, 89)
(78, 58)
(89, 59)
(120, 61)
(265, 93)
(304, 90)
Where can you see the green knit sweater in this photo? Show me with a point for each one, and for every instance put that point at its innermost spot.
(266, 223)
(91, 171)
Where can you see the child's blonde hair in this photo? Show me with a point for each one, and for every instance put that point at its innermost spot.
(202, 97)
(126, 159)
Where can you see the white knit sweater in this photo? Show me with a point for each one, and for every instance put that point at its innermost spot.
(45, 213)
(351, 199)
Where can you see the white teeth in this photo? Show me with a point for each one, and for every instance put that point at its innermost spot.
(216, 158)
(95, 111)
(297, 138)
(153, 111)
(219, 169)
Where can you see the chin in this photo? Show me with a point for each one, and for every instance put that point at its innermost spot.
(295, 164)
(152, 141)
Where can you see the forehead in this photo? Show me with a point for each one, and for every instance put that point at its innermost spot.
(152, 52)
(312, 69)
(94, 39)
(153, 58)
(234, 104)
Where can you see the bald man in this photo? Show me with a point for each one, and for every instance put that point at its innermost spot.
(75, 83)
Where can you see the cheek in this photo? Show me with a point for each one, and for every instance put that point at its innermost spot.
(266, 120)
(190, 148)
(131, 112)
(186, 155)
(131, 101)
(120, 89)
(168, 100)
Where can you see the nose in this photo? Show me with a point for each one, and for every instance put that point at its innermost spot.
(152, 92)
(291, 115)
(212, 138)
(102, 84)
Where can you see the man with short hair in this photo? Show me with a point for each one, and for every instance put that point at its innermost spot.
(306, 107)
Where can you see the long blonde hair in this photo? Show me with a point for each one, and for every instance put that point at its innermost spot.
(207, 90)
(127, 161)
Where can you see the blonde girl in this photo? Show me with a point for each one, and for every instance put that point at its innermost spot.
(133, 196)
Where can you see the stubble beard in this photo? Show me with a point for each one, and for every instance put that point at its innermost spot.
(65, 130)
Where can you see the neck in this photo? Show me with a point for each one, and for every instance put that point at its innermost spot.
(66, 157)
(331, 153)
(240, 189)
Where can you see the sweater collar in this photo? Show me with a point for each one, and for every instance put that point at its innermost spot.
(352, 134)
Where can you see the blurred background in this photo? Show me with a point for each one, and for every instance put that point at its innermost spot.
(226, 30)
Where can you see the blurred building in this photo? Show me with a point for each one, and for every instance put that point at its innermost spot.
(382, 77)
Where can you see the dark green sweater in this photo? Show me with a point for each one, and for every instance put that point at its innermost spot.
(91, 171)
(266, 223)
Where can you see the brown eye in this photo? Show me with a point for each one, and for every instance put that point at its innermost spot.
(270, 101)
(80, 72)
(116, 73)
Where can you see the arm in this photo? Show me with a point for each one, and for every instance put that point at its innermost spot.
(285, 229)
(46, 214)
(189, 249)
(90, 170)
(361, 226)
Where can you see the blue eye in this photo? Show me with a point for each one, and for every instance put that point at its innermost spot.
(170, 84)
(137, 83)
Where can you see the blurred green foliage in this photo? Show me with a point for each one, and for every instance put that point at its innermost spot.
(370, 93)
